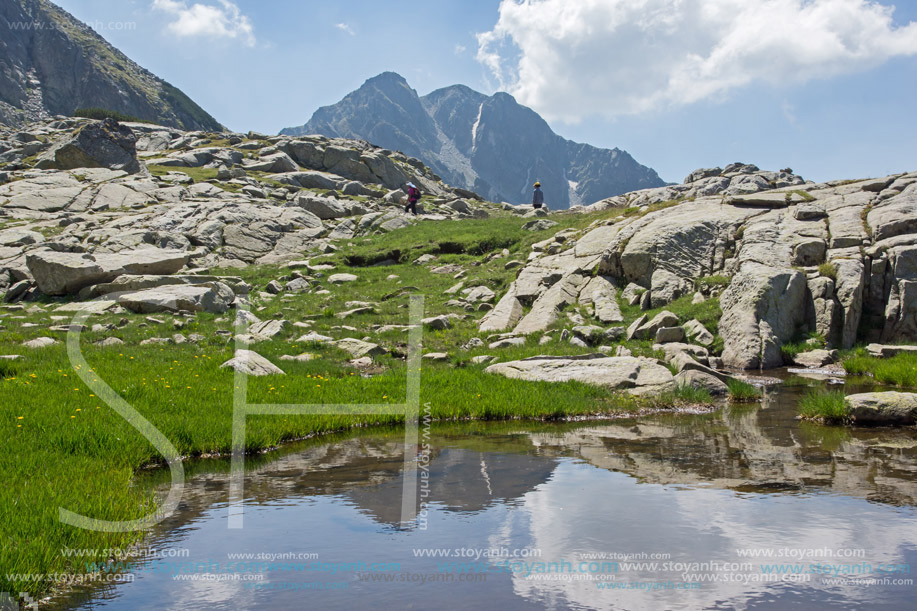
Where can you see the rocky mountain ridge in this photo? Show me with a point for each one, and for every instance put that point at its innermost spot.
(490, 144)
(786, 259)
(53, 64)
(255, 198)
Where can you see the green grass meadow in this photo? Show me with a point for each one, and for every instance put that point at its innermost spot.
(67, 449)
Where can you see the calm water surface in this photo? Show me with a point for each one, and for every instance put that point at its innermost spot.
(706, 498)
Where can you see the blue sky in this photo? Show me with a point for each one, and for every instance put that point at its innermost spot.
(827, 87)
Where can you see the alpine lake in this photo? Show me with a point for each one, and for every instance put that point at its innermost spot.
(745, 507)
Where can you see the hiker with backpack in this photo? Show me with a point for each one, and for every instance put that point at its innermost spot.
(413, 197)
(538, 197)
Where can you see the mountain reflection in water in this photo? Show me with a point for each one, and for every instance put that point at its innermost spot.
(695, 491)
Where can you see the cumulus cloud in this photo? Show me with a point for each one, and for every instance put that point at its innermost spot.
(617, 57)
(345, 28)
(215, 21)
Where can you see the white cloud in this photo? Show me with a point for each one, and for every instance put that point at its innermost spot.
(223, 21)
(346, 28)
(459, 49)
(569, 59)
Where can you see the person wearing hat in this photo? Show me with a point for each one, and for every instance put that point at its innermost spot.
(537, 197)
(413, 197)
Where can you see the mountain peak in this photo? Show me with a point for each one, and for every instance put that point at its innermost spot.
(387, 78)
(490, 144)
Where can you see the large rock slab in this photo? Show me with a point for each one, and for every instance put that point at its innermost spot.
(762, 308)
(103, 144)
(505, 314)
(882, 408)
(215, 297)
(600, 292)
(647, 330)
(544, 311)
(324, 208)
(59, 273)
(637, 376)
(895, 216)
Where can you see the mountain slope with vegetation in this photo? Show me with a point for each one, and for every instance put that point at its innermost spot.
(53, 64)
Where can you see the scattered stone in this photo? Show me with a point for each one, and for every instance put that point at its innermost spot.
(454, 289)
(156, 341)
(300, 358)
(647, 330)
(698, 333)
(816, 358)
(40, 342)
(474, 342)
(701, 380)
(478, 294)
(274, 288)
(668, 335)
(436, 356)
(358, 348)
(18, 290)
(312, 336)
(68, 328)
(483, 359)
(270, 328)
(884, 352)
(356, 312)
(506, 343)
(341, 278)
(215, 298)
(538, 225)
(251, 363)
(437, 323)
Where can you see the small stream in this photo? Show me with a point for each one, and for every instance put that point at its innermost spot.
(744, 508)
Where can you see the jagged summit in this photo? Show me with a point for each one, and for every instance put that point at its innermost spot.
(491, 144)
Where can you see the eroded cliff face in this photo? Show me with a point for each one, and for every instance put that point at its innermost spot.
(52, 64)
(838, 259)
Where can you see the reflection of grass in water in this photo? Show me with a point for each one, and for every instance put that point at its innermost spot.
(800, 381)
(828, 438)
(824, 405)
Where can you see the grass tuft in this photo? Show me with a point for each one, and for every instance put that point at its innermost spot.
(828, 270)
(741, 391)
(825, 406)
(900, 370)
